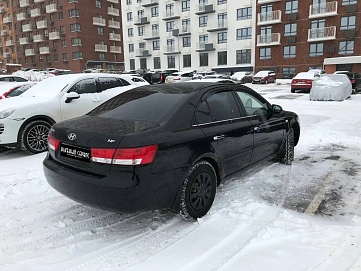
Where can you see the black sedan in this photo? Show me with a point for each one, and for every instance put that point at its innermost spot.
(166, 146)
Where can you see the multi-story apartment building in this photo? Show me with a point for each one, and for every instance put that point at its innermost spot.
(189, 34)
(66, 34)
(297, 35)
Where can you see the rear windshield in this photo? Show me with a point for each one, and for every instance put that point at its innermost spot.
(141, 105)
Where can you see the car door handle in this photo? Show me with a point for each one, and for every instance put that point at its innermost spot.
(219, 137)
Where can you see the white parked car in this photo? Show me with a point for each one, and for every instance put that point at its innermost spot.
(25, 120)
(242, 77)
(11, 78)
(179, 77)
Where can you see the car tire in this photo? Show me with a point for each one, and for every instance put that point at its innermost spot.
(288, 152)
(34, 137)
(293, 90)
(266, 82)
(198, 191)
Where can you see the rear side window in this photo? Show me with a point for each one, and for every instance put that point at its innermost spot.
(7, 79)
(136, 79)
(19, 90)
(84, 86)
(108, 82)
(124, 82)
(187, 75)
(19, 79)
(142, 105)
(223, 106)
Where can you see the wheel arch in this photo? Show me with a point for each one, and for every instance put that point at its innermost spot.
(34, 118)
(216, 164)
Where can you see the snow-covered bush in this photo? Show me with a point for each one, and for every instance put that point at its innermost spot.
(33, 75)
(331, 87)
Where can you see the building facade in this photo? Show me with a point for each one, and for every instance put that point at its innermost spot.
(65, 34)
(297, 35)
(189, 35)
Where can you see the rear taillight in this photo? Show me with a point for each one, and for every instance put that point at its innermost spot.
(177, 78)
(309, 82)
(353, 81)
(125, 157)
(53, 143)
(161, 77)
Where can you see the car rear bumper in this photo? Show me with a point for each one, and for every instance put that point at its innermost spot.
(152, 192)
(301, 86)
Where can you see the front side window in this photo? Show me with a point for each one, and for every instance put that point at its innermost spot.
(84, 86)
(108, 83)
(252, 104)
(223, 106)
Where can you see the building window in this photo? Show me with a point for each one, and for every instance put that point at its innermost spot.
(203, 59)
(222, 58)
(187, 42)
(130, 32)
(291, 7)
(156, 45)
(129, 2)
(222, 37)
(62, 29)
(61, 16)
(132, 64)
(244, 13)
(318, 24)
(98, 4)
(75, 27)
(76, 42)
(41, 59)
(141, 30)
(348, 22)
(56, 57)
(244, 33)
(101, 56)
(203, 20)
(244, 56)
(265, 53)
(289, 51)
(290, 29)
(129, 16)
(187, 61)
(316, 49)
(171, 62)
(155, 11)
(63, 43)
(169, 26)
(100, 30)
(77, 55)
(73, 13)
(346, 47)
(143, 63)
(186, 5)
(65, 57)
(349, 2)
(131, 48)
(288, 72)
(220, 2)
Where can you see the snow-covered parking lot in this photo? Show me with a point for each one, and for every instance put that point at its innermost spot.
(270, 217)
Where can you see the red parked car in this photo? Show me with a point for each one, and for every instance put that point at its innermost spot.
(303, 81)
(264, 77)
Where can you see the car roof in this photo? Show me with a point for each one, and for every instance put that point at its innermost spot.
(179, 88)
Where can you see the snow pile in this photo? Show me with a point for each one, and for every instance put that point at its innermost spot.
(33, 76)
(331, 87)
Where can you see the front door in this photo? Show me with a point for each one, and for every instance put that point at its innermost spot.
(230, 134)
(89, 99)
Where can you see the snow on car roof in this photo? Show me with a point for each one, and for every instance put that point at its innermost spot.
(304, 75)
(263, 73)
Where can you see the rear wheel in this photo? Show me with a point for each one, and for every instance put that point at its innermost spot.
(288, 152)
(198, 191)
(34, 137)
(293, 90)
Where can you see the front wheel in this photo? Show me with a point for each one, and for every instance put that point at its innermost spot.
(288, 152)
(34, 137)
(198, 191)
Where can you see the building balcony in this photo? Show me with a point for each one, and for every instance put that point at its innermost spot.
(38, 1)
(269, 39)
(150, 3)
(272, 17)
(141, 20)
(113, 1)
(6, 55)
(41, 24)
(203, 46)
(116, 49)
(142, 52)
(54, 35)
(7, 20)
(9, 43)
(320, 34)
(115, 37)
(44, 50)
(154, 35)
(51, 8)
(113, 11)
(101, 48)
(23, 41)
(3, 33)
(27, 27)
(323, 10)
(35, 12)
(2, 11)
(20, 16)
(114, 24)
(170, 15)
(99, 21)
(266, 1)
(24, 3)
(171, 49)
(206, 7)
(29, 52)
(38, 38)
(219, 25)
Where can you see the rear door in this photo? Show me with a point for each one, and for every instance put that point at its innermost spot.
(89, 99)
(269, 129)
(227, 130)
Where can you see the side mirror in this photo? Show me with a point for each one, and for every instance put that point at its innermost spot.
(71, 96)
(277, 108)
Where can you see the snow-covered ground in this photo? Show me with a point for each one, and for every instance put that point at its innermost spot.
(270, 217)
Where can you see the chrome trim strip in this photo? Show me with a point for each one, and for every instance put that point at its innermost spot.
(219, 121)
